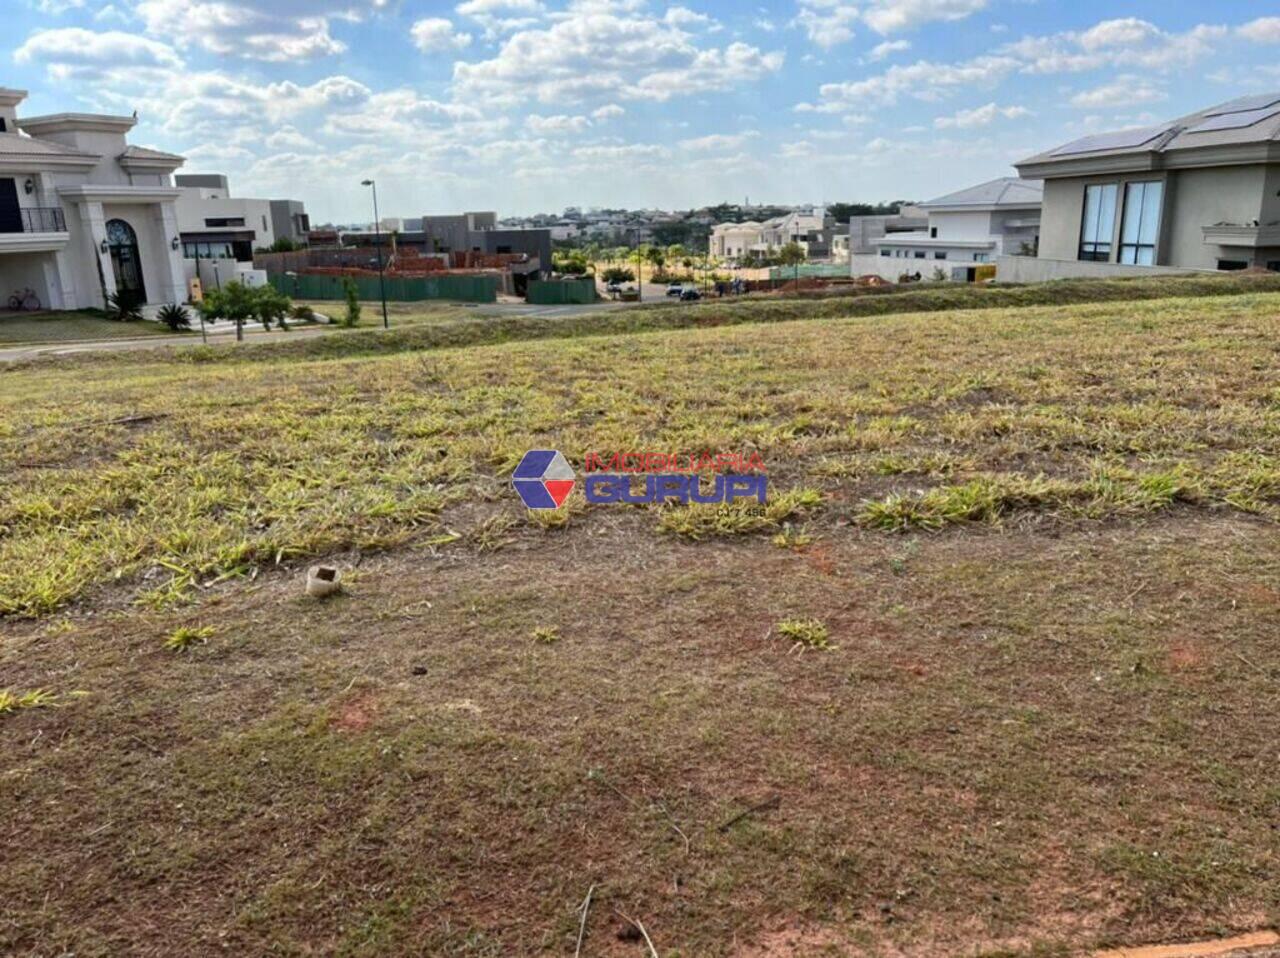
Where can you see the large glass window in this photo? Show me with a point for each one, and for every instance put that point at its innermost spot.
(1141, 226)
(1099, 222)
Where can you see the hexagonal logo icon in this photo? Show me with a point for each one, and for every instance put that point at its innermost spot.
(543, 479)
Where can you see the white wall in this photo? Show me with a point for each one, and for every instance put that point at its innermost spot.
(1029, 269)
(194, 208)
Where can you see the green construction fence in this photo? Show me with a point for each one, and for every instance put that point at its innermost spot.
(562, 292)
(467, 289)
(811, 270)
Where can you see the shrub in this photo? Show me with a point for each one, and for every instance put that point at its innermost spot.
(185, 636)
(175, 316)
(352, 292)
(271, 306)
(809, 633)
(122, 309)
(618, 274)
(304, 313)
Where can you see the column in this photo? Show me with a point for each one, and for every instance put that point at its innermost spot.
(173, 285)
(95, 233)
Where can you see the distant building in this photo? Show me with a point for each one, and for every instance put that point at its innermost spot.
(810, 227)
(216, 225)
(861, 233)
(1201, 192)
(478, 232)
(970, 227)
(289, 220)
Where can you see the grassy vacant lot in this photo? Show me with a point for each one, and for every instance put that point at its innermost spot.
(994, 674)
(17, 329)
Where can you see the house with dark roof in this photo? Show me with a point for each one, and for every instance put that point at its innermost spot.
(84, 214)
(965, 229)
(1198, 193)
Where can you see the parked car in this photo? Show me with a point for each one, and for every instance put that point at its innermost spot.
(675, 289)
(687, 295)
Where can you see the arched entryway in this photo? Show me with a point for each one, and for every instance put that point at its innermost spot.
(126, 264)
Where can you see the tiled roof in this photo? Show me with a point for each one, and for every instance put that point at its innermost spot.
(1005, 191)
(142, 153)
(14, 144)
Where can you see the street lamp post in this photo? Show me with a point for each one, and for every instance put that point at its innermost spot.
(639, 270)
(377, 239)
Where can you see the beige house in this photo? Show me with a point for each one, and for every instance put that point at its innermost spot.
(810, 227)
(1198, 193)
(83, 214)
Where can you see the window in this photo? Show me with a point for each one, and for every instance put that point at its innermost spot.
(939, 255)
(919, 254)
(224, 221)
(1141, 226)
(979, 257)
(1232, 264)
(1098, 223)
(3, 128)
(933, 232)
(216, 250)
(884, 252)
(1274, 265)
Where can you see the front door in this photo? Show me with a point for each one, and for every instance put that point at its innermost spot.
(126, 264)
(10, 212)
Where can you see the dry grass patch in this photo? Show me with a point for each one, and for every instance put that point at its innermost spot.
(169, 478)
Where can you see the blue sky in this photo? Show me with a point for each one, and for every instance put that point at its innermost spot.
(533, 105)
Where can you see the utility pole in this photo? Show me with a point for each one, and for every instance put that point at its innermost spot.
(377, 239)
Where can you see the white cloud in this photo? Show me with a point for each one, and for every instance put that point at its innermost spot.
(827, 23)
(1262, 30)
(254, 29)
(684, 17)
(607, 112)
(72, 51)
(1127, 43)
(58, 7)
(1124, 90)
(719, 142)
(980, 116)
(922, 80)
(435, 34)
(623, 151)
(888, 48)
(892, 16)
(607, 56)
(289, 138)
(1126, 32)
(558, 125)
(499, 17)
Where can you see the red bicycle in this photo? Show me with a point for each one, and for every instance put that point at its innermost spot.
(25, 299)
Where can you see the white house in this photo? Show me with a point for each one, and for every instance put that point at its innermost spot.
(967, 228)
(82, 213)
(215, 224)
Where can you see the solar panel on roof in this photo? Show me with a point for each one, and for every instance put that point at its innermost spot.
(1234, 121)
(1247, 104)
(1119, 140)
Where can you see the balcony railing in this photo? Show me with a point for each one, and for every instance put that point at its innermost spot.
(36, 219)
(43, 219)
